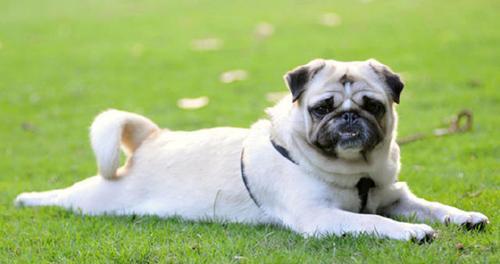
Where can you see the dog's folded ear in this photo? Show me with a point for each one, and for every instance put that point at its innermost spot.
(298, 78)
(391, 79)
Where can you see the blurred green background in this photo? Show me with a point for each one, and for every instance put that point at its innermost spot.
(62, 62)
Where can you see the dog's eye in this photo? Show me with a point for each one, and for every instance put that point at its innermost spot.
(323, 108)
(373, 106)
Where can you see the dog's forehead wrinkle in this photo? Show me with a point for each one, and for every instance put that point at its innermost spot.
(315, 99)
(349, 99)
(334, 71)
(359, 96)
(359, 73)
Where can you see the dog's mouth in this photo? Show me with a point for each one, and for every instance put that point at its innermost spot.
(350, 138)
(342, 141)
(349, 135)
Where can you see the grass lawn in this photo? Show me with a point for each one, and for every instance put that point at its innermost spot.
(62, 62)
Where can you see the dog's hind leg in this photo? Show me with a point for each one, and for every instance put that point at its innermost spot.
(94, 195)
(39, 198)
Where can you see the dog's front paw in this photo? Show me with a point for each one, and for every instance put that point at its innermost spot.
(420, 233)
(469, 220)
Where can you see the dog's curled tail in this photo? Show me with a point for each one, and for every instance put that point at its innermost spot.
(112, 129)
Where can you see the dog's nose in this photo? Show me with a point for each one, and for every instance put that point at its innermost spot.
(349, 117)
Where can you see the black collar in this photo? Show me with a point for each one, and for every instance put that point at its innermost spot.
(244, 178)
(283, 151)
(364, 184)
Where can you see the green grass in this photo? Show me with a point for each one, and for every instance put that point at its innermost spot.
(61, 62)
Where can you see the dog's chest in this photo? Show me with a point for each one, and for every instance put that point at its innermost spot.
(361, 198)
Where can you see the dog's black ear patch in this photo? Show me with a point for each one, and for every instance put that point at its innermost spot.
(394, 83)
(296, 81)
(298, 78)
(392, 79)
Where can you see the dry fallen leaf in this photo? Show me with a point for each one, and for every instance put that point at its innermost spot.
(233, 75)
(264, 30)
(137, 50)
(474, 194)
(330, 20)
(192, 103)
(274, 97)
(240, 258)
(27, 126)
(206, 44)
(475, 83)
(34, 98)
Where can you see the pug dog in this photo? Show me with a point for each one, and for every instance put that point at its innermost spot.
(325, 162)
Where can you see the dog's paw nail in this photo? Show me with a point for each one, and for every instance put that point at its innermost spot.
(428, 238)
(424, 236)
(479, 226)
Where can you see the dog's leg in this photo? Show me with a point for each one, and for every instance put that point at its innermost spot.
(39, 198)
(326, 221)
(93, 195)
(410, 205)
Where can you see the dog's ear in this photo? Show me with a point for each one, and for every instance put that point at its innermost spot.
(297, 79)
(391, 79)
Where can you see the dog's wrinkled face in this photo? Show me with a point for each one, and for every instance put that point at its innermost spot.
(347, 106)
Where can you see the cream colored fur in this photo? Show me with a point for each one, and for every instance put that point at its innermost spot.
(196, 175)
(112, 129)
